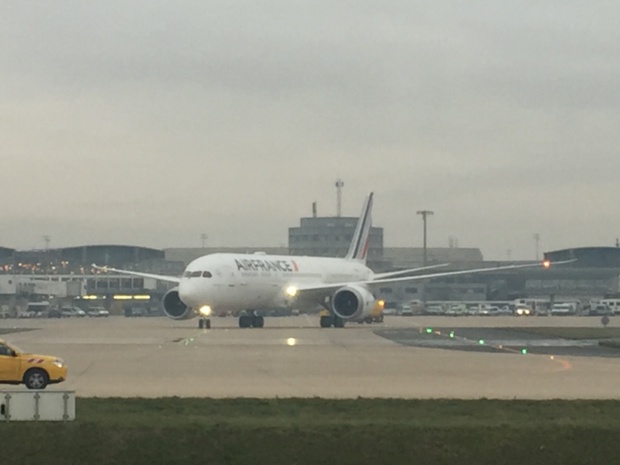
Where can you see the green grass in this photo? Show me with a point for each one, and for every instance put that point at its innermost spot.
(573, 333)
(613, 343)
(316, 431)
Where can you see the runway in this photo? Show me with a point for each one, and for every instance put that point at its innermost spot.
(292, 357)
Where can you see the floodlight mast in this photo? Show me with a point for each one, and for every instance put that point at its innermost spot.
(425, 214)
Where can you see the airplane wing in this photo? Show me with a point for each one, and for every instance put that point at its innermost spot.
(312, 289)
(170, 279)
(393, 274)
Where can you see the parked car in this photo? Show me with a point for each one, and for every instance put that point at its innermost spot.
(434, 310)
(563, 309)
(54, 313)
(69, 312)
(35, 371)
(98, 312)
(405, 310)
(599, 310)
(28, 314)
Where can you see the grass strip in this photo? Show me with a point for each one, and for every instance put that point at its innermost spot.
(572, 333)
(319, 431)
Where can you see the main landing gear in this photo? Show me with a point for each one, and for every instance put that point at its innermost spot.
(327, 321)
(204, 323)
(251, 320)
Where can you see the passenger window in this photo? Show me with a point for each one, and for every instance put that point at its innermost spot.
(207, 274)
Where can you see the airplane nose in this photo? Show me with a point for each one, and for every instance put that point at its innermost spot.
(185, 292)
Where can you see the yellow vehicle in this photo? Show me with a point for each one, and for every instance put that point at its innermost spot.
(376, 315)
(35, 371)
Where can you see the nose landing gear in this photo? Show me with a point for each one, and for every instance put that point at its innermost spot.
(204, 323)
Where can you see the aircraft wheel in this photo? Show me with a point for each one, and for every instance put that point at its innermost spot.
(201, 323)
(258, 321)
(244, 321)
(207, 323)
(338, 322)
(326, 321)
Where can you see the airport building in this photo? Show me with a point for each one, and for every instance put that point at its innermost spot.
(331, 237)
(66, 275)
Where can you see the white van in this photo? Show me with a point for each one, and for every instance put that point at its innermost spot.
(612, 304)
(563, 309)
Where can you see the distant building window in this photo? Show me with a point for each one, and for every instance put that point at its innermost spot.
(337, 238)
(315, 237)
(411, 290)
(385, 290)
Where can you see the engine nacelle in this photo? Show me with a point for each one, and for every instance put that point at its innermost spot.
(174, 307)
(353, 302)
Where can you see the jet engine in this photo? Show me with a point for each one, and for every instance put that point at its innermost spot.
(352, 302)
(175, 308)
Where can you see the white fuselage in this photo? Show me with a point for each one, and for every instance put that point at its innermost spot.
(235, 282)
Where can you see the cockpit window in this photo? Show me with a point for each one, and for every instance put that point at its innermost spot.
(187, 274)
(207, 274)
(195, 274)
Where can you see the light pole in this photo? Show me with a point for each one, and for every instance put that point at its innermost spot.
(424, 214)
(537, 240)
(203, 238)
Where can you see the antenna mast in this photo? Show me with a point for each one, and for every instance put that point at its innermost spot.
(339, 186)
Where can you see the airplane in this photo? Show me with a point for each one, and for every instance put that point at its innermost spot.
(237, 283)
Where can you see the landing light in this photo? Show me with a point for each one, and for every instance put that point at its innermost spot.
(205, 310)
(291, 291)
(546, 264)
(291, 341)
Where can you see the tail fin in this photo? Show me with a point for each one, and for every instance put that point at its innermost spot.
(358, 250)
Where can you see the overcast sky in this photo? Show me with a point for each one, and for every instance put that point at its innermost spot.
(151, 122)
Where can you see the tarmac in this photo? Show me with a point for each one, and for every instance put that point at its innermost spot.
(293, 357)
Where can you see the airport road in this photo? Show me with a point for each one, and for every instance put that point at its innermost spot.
(292, 357)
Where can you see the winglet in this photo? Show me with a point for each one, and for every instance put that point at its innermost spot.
(358, 250)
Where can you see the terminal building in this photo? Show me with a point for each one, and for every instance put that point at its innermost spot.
(64, 277)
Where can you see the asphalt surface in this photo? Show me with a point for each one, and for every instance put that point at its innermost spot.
(497, 340)
(293, 357)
